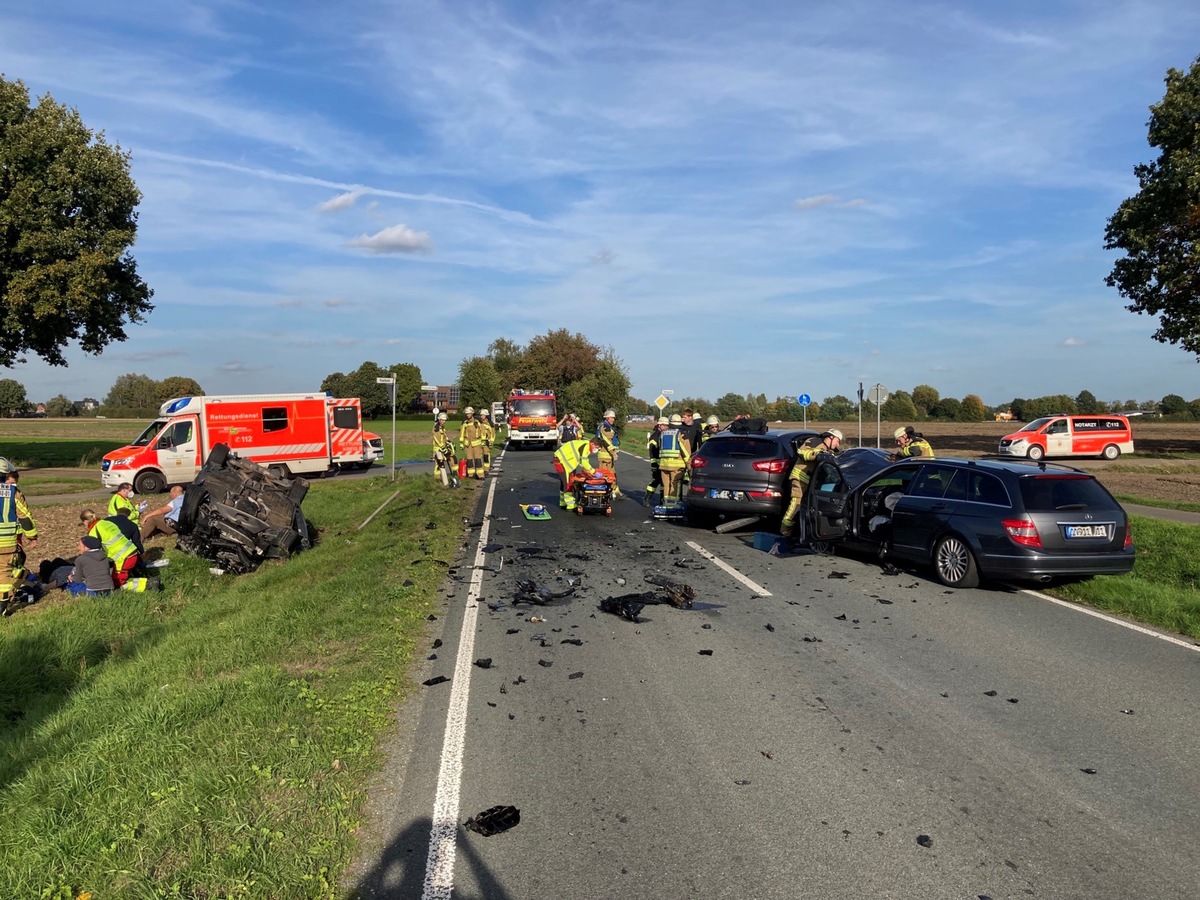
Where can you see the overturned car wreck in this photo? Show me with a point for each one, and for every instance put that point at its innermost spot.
(238, 514)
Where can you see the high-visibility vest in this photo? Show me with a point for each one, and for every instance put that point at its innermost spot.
(116, 546)
(573, 455)
(14, 516)
(670, 444)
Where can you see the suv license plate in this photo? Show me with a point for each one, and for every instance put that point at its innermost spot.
(725, 495)
(1087, 531)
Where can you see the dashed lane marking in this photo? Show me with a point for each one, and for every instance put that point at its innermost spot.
(730, 570)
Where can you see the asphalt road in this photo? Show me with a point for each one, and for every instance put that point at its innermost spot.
(847, 737)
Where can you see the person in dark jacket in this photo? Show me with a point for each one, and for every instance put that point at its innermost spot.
(93, 574)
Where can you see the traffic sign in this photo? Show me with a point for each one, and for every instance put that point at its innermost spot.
(666, 393)
(661, 402)
(878, 394)
(804, 399)
(385, 380)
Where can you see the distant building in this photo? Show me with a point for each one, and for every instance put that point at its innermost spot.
(443, 398)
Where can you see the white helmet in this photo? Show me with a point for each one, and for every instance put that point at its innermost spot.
(6, 468)
(484, 413)
(712, 420)
(676, 419)
(609, 414)
(663, 420)
(442, 417)
(834, 433)
(470, 410)
(898, 433)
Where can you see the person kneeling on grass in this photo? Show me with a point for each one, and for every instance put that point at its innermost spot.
(165, 519)
(93, 574)
(122, 551)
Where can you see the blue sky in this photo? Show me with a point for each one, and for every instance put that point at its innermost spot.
(777, 197)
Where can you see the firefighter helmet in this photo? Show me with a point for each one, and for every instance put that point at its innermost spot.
(609, 414)
(6, 468)
(663, 420)
(899, 433)
(676, 419)
(470, 410)
(484, 413)
(712, 420)
(833, 433)
(442, 417)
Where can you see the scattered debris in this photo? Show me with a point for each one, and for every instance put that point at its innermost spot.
(706, 625)
(575, 675)
(535, 619)
(513, 631)
(576, 641)
(493, 821)
(989, 693)
(924, 840)
(484, 662)
(437, 642)
(735, 524)
(545, 663)
(529, 592)
(1088, 771)
(679, 595)
(742, 782)
(1013, 700)
(628, 606)
(769, 627)
(838, 575)
(1127, 712)
(889, 569)
(430, 682)
(811, 639)
(767, 753)
(841, 618)
(492, 548)
(705, 652)
(884, 601)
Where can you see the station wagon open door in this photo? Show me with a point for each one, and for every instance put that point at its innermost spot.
(825, 507)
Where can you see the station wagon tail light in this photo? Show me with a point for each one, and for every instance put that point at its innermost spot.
(1128, 535)
(699, 462)
(774, 466)
(1023, 532)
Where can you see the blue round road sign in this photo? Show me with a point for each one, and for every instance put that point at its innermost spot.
(804, 399)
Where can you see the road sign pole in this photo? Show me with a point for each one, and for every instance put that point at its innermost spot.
(393, 426)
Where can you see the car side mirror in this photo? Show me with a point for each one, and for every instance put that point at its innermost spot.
(164, 443)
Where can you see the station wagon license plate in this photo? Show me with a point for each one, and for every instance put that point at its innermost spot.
(725, 495)
(1087, 531)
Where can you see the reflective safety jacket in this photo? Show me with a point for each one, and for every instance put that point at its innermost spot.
(709, 431)
(441, 439)
(116, 546)
(674, 451)
(489, 432)
(607, 436)
(575, 455)
(916, 447)
(118, 505)
(14, 516)
(652, 445)
(806, 459)
(471, 434)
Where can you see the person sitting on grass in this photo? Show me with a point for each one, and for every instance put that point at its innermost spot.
(165, 519)
(93, 573)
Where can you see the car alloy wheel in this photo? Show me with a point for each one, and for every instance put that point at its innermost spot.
(954, 563)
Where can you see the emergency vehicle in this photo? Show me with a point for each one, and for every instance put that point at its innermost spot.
(1104, 435)
(532, 418)
(290, 434)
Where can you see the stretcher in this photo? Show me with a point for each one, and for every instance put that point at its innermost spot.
(594, 491)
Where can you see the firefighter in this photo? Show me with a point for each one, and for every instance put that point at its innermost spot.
(652, 447)
(121, 551)
(489, 435)
(443, 450)
(910, 442)
(608, 441)
(806, 460)
(470, 441)
(711, 427)
(16, 526)
(571, 457)
(674, 454)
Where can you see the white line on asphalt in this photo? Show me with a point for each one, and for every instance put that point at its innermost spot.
(1075, 607)
(730, 570)
(439, 867)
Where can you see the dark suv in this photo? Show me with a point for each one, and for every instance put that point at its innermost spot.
(737, 475)
(970, 518)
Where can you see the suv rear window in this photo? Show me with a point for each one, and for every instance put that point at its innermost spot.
(740, 448)
(1043, 493)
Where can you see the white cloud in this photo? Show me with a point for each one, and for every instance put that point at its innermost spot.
(394, 239)
(814, 202)
(1075, 342)
(340, 202)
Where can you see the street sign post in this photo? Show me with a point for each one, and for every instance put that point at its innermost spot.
(804, 400)
(392, 381)
(879, 396)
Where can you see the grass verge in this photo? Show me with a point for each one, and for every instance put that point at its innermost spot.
(35, 486)
(214, 740)
(1164, 587)
(1161, 504)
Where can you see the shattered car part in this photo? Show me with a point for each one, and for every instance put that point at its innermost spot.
(529, 592)
(493, 821)
(237, 514)
(627, 606)
(679, 594)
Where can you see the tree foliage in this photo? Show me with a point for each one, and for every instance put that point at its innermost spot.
(478, 383)
(376, 398)
(67, 221)
(178, 386)
(1173, 405)
(837, 408)
(60, 407)
(1158, 228)
(730, 405)
(506, 358)
(554, 360)
(133, 392)
(972, 409)
(1087, 404)
(899, 407)
(606, 386)
(925, 398)
(12, 398)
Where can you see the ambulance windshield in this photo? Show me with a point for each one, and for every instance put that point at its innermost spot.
(149, 434)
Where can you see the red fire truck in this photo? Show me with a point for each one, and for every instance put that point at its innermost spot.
(532, 418)
(292, 434)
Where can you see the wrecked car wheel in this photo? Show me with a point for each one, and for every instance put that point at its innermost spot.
(193, 498)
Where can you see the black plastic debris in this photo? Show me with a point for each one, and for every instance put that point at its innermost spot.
(407, 582)
(678, 594)
(742, 782)
(437, 642)
(513, 631)
(706, 625)
(484, 662)
(432, 656)
(924, 840)
(430, 682)
(627, 606)
(769, 627)
(492, 548)
(545, 663)
(990, 693)
(838, 575)
(1127, 712)
(1013, 700)
(431, 618)
(493, 821)
(576, 641)
(575, 675)
(583, 556)
(491, 704)
(529, 592)
(884, 601)
(520, 679)
(889, 569)
(841, 618)
(1088, 771)
(705, 652)
(810, 639)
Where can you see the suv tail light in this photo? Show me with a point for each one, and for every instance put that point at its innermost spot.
(1128, 535)
(699, 462)
(774, 466)
(1023, 532)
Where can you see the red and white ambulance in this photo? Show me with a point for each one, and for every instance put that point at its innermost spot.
(291, 434)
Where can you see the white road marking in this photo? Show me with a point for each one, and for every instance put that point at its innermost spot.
(730, 570)
(1075, 607)
(439, 868)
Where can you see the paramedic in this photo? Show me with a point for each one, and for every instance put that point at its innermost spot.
(910, 442)
(121, 550)
(608, 441)
(674, 454)
(571, 457)
(470, 439)
(120, 503)
(806, 461)
(652, 447)
(15, 524)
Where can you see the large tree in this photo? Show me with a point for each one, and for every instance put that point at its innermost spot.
(133, 392)
(1158, 228)
(478, 383)
(506, 356)
(178, 386)
(837, 408)
(925, 398)
(67, 221)
(60, 407)
(605, 387)
(554, 360)
(12, 397)
(408, 385)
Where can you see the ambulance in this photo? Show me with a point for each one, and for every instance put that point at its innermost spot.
(290, 434)
(1107, 436)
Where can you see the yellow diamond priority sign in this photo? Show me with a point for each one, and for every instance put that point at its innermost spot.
(661, 402)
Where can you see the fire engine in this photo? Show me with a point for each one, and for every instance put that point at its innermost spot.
(532, 418)
(290, 434)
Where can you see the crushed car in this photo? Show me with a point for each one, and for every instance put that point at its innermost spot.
(238, 514)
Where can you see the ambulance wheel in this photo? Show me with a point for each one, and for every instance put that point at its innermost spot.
(1035, 453)
(279, 470)
(149, 483)
(1112, 451)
